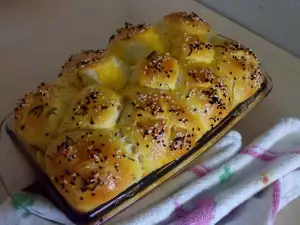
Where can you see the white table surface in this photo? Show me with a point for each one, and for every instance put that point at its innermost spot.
(36, 37)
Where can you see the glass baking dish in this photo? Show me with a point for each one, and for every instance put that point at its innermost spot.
(136, 191)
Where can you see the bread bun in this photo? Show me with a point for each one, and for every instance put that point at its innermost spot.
(39, 114)
(207, 95)
(158, 125)
(192, 49)
(94, 67)
(132, 43)
(239, 67)
(95, 107)
(90, 167)
(189, 23)
(159, 71)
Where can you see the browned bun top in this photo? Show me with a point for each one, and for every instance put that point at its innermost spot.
(83, 59)
(189, 23)
(129, 31)
(134, 42)
(159, 125)
(91, 167)
(158, 71)
(39, 113)
(95, 107)
(239, 66)
(70, 73)
(192, 49)
(94, 67)
(207, 95)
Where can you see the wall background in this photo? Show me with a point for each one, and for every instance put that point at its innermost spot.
(277, 21)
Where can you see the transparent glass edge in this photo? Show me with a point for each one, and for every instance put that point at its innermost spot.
(14, 199)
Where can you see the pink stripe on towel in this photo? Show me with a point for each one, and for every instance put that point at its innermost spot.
(179, 211)
(264, 156)
(200, 170)
(203, 214)
(275, 199)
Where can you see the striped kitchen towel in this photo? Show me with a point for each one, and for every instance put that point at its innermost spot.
(230, 186)
(248, 189)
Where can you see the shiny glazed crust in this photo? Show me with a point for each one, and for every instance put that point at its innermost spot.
(159, 71)
(94, 67)
(118, 114)
(91, 167)
(95, 107)
(189, 23)
(39, 114)
(159, 125)
(133, 43)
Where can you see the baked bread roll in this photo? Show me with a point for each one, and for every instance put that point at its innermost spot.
(206, 94)
(94, 67)
(39, 114)
(192, 49)
(178, 26)
(239, 67)
(117, 115)
(158, 71)
(183, 22)
(95, 107)
(91, 167)
(159, 126)
(132, 43)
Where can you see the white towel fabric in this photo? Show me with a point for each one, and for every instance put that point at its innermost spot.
(221, 195)
(229, 187)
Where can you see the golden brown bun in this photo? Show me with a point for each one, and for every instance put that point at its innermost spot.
(95, 107)
(158, 71)
(206, 94)
(187, 23)
(159, 125)
(90, 168)
(39, 114)
(133, 43)
(239, 67)
(94, 67)
(192, 49)
(176, 28)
